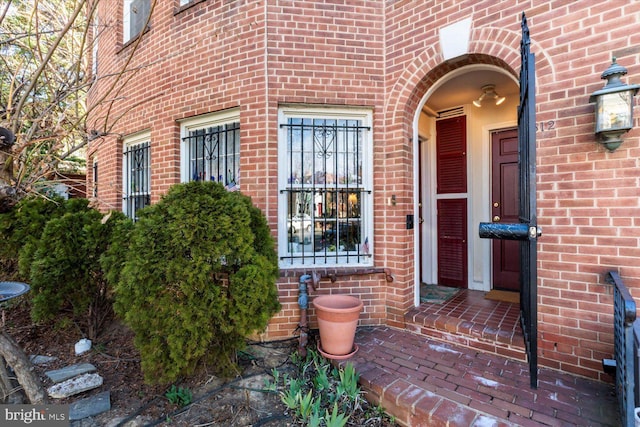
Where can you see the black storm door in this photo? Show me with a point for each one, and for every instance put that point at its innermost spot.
(526, 230)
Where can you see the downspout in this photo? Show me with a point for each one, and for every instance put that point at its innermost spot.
(303, 302)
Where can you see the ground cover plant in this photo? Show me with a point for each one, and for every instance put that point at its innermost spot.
(317, 394)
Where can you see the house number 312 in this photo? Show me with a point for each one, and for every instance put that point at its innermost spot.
(548, 125)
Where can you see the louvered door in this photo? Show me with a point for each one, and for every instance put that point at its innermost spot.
(451, 153)
(451, 147)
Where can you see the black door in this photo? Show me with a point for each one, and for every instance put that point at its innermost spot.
(526, 230)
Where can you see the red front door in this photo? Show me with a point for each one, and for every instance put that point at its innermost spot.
(504, 202)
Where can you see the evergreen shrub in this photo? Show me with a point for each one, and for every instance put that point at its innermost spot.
(20, 230)
(200, 275)
(66, 274)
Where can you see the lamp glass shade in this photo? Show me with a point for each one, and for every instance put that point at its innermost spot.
(614, 111)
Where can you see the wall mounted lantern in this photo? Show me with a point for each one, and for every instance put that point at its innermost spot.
(614, 107)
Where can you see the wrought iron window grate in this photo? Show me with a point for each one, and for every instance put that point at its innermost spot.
(326, 200)
(137, 191)
(95, 179)
(214, 154)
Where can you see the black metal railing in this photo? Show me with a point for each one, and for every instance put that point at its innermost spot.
(626, 343)
(95, 179)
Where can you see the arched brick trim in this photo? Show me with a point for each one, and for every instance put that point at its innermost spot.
(398, 146)
(488, 45)
(401, 117)
(491, 46)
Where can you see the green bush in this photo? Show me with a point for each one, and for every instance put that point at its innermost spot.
(199, 277)
(66, 274)
(20, 230)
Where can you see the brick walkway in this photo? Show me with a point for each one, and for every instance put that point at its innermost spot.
(424, 382)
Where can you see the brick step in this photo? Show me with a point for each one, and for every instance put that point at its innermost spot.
(507, 342)
(426, 382)
(413, 405)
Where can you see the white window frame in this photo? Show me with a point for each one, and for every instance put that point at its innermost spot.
(128, 142)
(127, 21)
(201, 122)
(365, 250)
(94, 47)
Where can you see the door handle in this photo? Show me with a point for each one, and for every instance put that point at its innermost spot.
(496, 218)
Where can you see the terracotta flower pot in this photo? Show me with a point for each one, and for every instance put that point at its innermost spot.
(337, 320)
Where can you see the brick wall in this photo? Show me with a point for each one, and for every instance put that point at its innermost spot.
(257, 55)
(588, 198)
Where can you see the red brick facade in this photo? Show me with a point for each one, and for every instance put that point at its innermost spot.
(214, 55)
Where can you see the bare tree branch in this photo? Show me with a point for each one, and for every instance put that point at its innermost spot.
(45, 60)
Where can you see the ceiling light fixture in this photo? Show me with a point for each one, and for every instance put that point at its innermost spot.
(489, 92)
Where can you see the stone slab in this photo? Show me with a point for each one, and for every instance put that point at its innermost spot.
(70, 371)
(75, 385)
(38, 359)
(90, 406)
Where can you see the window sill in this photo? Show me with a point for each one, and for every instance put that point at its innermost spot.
(132, 40)
(178, 10)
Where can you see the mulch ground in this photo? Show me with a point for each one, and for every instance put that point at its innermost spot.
(239, 401)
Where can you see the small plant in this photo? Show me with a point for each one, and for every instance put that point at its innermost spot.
(180, 396)
(272, 386)
(321, 380)
(290, 399)
(316, 395)
(307, 404)
(315, 420)
(335, 418)
(348, 384)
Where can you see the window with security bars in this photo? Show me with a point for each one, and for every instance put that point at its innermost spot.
(213, 153)
(136, 192)
(95, 178)
(325, 194)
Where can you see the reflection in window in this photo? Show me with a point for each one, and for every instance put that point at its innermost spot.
(136, 192)
(325, 194)
(214, 154)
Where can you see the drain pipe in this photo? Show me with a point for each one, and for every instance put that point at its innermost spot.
(303, 302)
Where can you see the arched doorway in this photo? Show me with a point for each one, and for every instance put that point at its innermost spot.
(456, 142)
